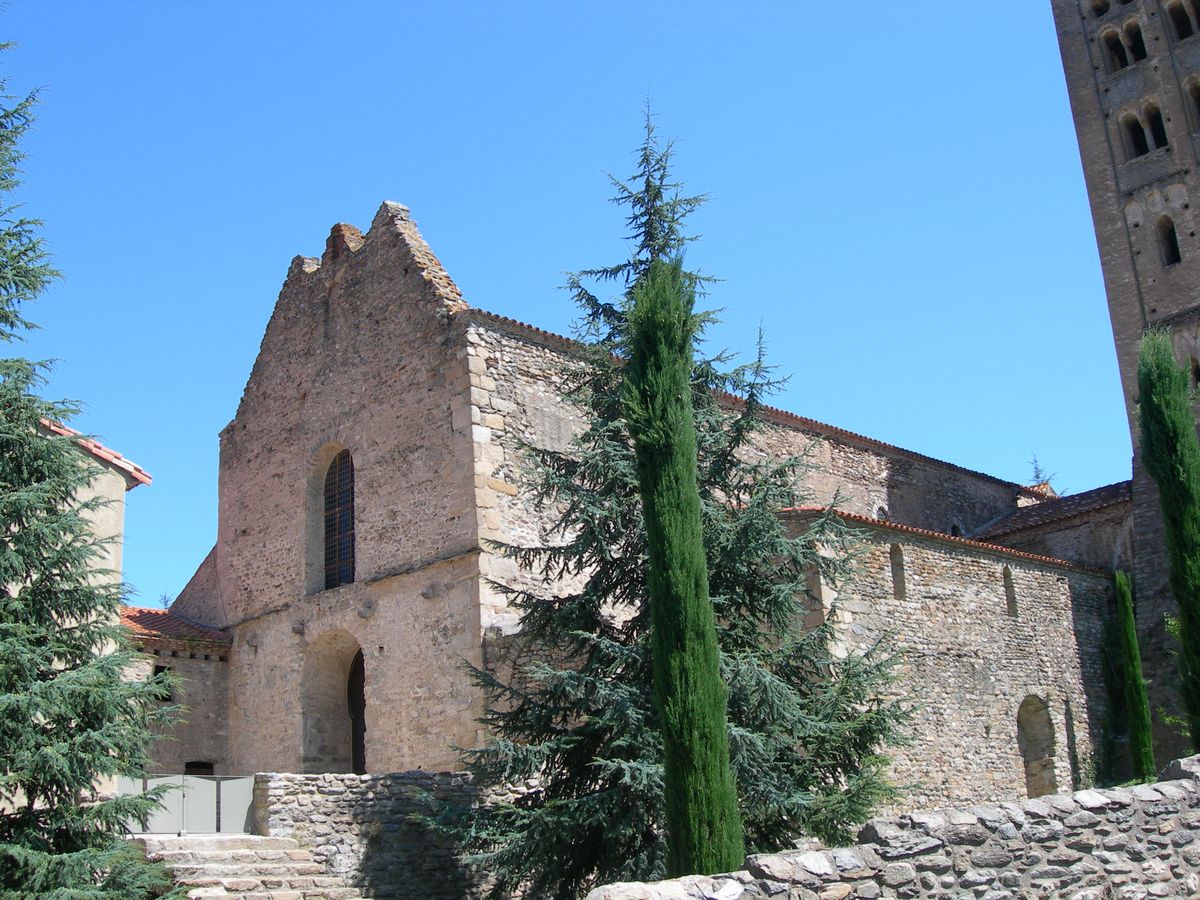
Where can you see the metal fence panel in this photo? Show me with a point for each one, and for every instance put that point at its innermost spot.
(197, 804)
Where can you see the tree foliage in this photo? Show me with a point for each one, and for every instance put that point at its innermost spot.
(1170, 452)
(577, 717)
(1137, 704)
(69, 719)
(704, 828)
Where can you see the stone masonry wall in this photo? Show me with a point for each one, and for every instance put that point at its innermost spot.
(517, 402)
(1119, 843)
(360, 827)
(980, 631)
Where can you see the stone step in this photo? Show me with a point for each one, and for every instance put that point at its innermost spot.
(199, 857)
(318, 885)
(225, 868)
(159, 843)
(328, 894)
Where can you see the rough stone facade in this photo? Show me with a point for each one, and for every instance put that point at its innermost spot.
(983, 633)
(1133, 75)
(371, 350)
(1138, 842)
(362, 829)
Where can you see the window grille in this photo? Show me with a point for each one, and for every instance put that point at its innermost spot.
(339, 521)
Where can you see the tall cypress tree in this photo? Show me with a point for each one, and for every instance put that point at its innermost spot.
(577, 717)
(1137, 704)
(704, 830)
(69, 719)
(1171, 454)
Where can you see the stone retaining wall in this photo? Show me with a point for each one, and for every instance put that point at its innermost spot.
(1123, 842)
(360, 828)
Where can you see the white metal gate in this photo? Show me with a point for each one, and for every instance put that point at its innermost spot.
(197, 804)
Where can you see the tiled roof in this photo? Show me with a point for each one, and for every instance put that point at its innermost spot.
(1060, 508)
(163, 625)
(134, 473)
(771, 413)
(947, 538)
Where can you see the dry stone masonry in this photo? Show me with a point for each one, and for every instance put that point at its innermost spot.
(362, 828)
(1141, 841)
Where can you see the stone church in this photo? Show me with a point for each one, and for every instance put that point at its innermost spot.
(377, 451)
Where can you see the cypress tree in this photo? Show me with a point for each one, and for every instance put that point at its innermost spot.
(1171, 454)
(704, 830)
(575, 722)
(69, 719)
(1137, 705)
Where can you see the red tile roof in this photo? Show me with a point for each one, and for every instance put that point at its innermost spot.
(946, 538)
(134, 473)
(771, 413)
(163, 625)
(1060, 508)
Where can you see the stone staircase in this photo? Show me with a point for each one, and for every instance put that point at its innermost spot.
(245, 866)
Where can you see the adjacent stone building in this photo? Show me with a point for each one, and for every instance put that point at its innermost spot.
(1133, 75)
(378, 449)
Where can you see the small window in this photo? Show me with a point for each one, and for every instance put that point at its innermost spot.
(1168, 241)
(167, 695)
(1135, 136)
(1010, 593)
(899, 585)
(1193, 90)
(1133, 40)
(881, 514)
(1195, 372)
(1114, 51)
(198, 767)
(814, 606)
(339, 521)
(956, 530)
(1099, 7)
(1181, 22)
(1157, 129)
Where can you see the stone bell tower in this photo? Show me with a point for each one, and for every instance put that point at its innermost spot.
(1133, 75)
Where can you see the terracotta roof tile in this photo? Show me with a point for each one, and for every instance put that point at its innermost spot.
(946, 538)
(1059, 508)
(163, 625)
(134, 473)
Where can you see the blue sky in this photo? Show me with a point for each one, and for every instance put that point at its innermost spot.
(896, 198)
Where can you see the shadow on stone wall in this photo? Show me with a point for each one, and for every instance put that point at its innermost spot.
(369, 829)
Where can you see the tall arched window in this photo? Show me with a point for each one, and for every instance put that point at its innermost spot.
(1181, 18)
(1114, 51)
(1134, 41)
(1010, 593)
(899, 583)
(339, 521)
(1157, 129)
(1135, 136)
(1168, 241)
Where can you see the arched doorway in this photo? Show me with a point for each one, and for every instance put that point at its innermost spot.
(1035, 738)
(334, 705)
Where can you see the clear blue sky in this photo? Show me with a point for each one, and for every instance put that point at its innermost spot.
(897, 199)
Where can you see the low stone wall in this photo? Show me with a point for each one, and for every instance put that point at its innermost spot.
(1124, 842)
(361, 828)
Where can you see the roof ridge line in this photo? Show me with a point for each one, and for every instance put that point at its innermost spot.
(772, 411)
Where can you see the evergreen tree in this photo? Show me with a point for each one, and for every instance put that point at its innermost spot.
(68, 718)
(1171, 454)
(704, 830)
(1137, 704)
(577, 716)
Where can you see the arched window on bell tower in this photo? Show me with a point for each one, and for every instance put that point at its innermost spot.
(339, 521)
(1168, 241)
